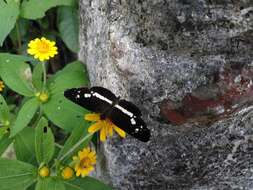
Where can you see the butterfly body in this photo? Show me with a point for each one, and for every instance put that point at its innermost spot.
(122, 113)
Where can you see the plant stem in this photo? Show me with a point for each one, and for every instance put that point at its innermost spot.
(72, 149)
(58, 145)
(44, 75)
(18, 37)
(76, 146)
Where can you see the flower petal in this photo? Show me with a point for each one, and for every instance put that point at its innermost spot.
(103, 134)
(110, 130)
(78, 173)
(92, 117)
(85, 173)
(95, 127)
(119, 131)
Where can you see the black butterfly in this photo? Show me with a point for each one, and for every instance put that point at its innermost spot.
(122, 113)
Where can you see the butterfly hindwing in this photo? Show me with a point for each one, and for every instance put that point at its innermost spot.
(129, 122)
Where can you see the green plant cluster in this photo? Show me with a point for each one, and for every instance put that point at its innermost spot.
(33, 108)
(33, 139)
(21, 20)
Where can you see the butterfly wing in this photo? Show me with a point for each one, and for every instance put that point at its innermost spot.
(129, 120)
(104, 92)
(123, 114)
(130, 107)
(95, 99)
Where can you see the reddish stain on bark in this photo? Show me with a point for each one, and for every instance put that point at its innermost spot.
(230, 91)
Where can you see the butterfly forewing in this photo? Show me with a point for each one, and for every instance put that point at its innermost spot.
(130, 107)
(88, 99)
(104, 92)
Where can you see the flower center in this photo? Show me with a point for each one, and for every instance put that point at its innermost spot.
(42, 96)
(109, 121)
(102, 117)
(85, 162)
(67, 173)
(44, 171)
(43, 47)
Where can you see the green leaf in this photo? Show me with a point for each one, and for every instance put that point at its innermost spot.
(68, 25)
(79, 132)
(3, 131)
(8, 16)
(44, 142)
(63, 112)
(37, 77)
(44, 24)
(31, 187)
(34, 9)
(24, 145)
(72, 76)
(49, 184)
(20, 31)
(5, 141)
(4, 110)
(16, 73)
(25, 115)
(16, 175)
(16, 188)
(87, 183)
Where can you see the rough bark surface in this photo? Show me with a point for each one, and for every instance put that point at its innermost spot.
(149, 51)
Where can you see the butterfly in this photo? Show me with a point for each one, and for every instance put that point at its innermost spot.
(121, 113)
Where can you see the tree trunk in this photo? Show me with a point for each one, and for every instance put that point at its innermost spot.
(188, 66)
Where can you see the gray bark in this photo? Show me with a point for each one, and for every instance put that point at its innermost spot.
(148, 51)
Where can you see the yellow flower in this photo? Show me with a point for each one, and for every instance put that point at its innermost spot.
(67, 173)
(1, 86)
(42, 49)
(84, 162)
(43, 97)
(105, 126)
(44, 171)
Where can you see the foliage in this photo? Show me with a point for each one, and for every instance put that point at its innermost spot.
(45, 128)
(8, 15)
(23, 20)
(68, 26)
(30, 131)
